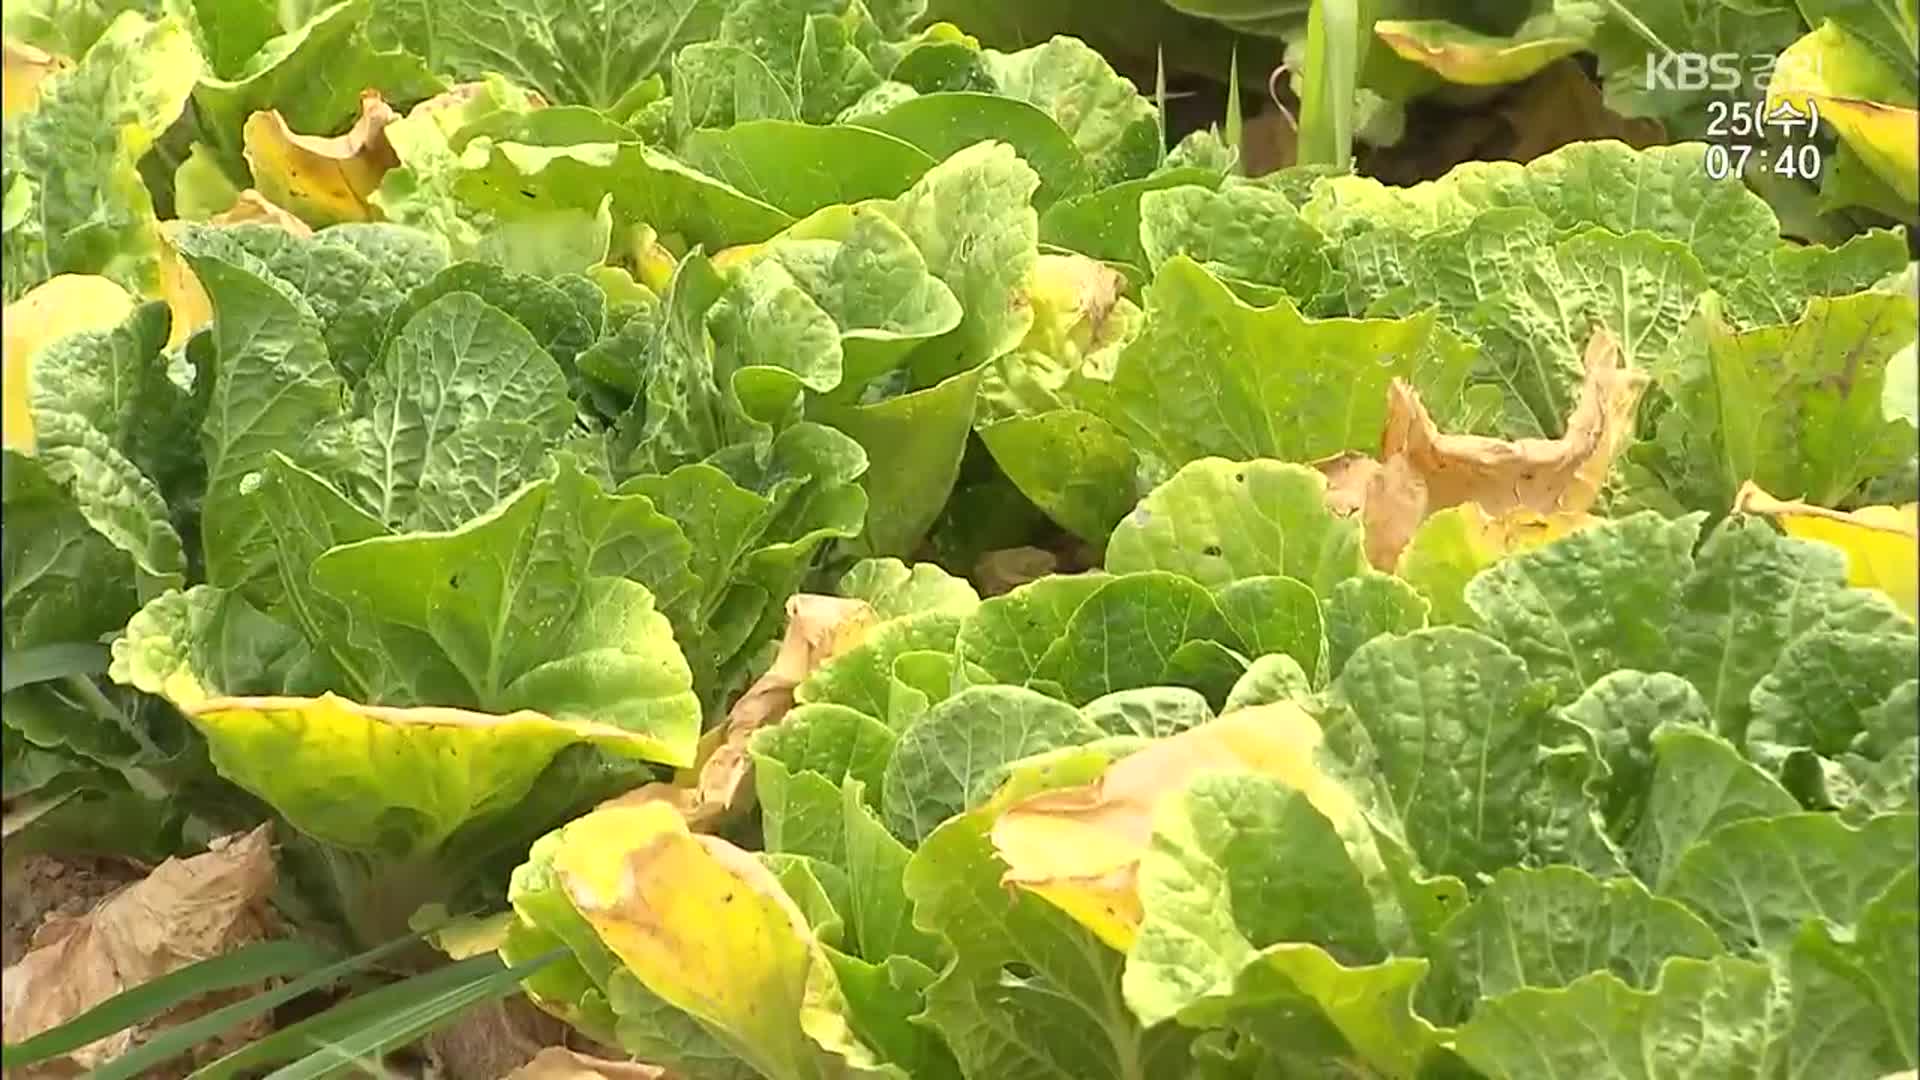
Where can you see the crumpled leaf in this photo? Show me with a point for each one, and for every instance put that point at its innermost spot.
(1422, 469)
(819, 628)
(1454, 728)
(63, 305)
(322, 179)
(1079, 848)
(186, 911)
(1882, 542)
(952, 757)
(81, 145)
(1110, 122)
(1795, 407)
(1211, 376)
(1242, 234)
(894, 589)
(1662, 190)
(560, 1063)
(1855, 1007)
(1702, 1018)
(1301, 971)
(1547, 926)
(1218, 522)
(1060, 1014)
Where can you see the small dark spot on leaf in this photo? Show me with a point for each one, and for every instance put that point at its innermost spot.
(528, 194)
(1211, 551)
(727, 899)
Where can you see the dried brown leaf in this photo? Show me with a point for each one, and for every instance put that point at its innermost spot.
(560, 1063)
(1005, 570)
(251, 207)
(1561, 105)
(1422, 470)
(186, 911)
(1269, 142)
(818, 629)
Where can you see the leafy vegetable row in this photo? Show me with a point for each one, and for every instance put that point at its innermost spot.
(1646, 790)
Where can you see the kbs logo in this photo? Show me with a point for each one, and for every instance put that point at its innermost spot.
(1720, 72)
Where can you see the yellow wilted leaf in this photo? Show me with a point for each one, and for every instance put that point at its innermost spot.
(1887, 138)
(1072, 297)
(394, 780)
(62, 305)
(26, 68)
(188, 302)
(653, 263)
(1079, 848)
(1865, 100)
(729, 258)
(324, 180)
(1882, 543)
(706, 927)
(1464, 56)
(1422, 470)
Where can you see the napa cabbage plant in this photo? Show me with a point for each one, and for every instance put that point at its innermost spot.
(1641, 781)
(1482, 290)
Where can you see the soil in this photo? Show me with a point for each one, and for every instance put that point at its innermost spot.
(39, 886)
(488, 1042)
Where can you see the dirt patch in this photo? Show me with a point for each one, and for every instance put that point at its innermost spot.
(39, 886)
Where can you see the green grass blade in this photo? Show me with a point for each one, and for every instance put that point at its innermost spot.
(1236, 116)
(482, 978)
(1330, 81)
(342, 1023)
(175, 1041)
(241, 967)
(1160, 97)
